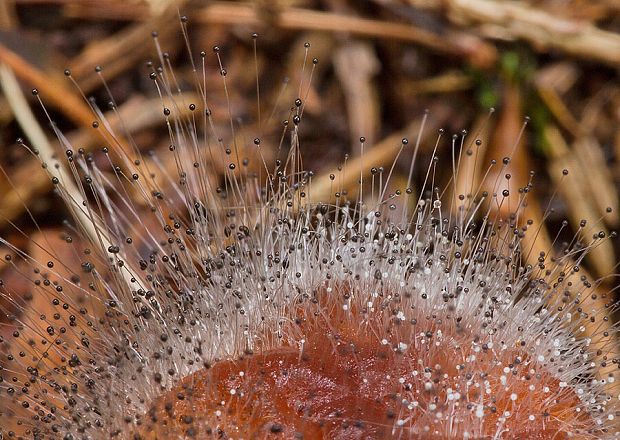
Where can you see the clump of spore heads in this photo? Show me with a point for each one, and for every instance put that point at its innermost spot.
(243, 308)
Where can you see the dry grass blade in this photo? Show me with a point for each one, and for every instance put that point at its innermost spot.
(56, 94)
(518, 20)
(447, 82)
(381, 154)
(454, 43)
(551, 83)
(356, 65)
(44, 149)
(580, 200)
(12, 202)
(123, 50)
(600, 184)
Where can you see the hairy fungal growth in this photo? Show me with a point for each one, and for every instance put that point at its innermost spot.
(246, 308)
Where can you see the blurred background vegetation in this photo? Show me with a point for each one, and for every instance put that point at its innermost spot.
(381, 64)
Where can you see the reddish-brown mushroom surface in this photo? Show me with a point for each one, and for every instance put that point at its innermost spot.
(348, 380)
